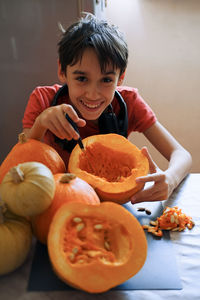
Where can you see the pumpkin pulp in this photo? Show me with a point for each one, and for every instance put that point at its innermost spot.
(104, 162)
(88, 239)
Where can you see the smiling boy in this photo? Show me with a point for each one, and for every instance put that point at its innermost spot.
(93, 57)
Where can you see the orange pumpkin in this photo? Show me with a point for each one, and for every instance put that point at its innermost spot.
(32, 150)
(95, 248)
(69, 188)
(110, 163)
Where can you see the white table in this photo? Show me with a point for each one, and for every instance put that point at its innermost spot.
(187, 248)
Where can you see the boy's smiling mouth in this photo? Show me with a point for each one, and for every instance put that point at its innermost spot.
(90, 105)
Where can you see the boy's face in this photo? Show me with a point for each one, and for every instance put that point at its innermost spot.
(90, 90)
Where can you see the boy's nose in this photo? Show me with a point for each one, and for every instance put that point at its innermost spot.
(92, 92)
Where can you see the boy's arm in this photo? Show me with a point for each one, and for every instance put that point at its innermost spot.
(53, 119)
(165, 182)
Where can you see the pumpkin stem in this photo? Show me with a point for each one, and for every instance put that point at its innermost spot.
(17, 174)
(67, 177)
(22, 138)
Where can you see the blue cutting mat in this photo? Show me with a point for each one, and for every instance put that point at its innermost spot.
(159, 271)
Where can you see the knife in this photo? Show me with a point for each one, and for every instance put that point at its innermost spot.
(79, 141)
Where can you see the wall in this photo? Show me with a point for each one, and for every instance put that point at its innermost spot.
(29, 34)
(164, 64)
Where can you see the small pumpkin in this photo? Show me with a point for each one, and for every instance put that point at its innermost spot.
(32, 150)
(69, 188)
(28, 188)
(15, 241)
(110, 163)
(95, 248)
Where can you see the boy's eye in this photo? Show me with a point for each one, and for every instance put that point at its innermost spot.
(107, 79)
(81, 78)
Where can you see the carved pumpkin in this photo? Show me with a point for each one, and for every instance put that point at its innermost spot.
(69, 188)
(110, 163)
(28, 189)
(95, 248)
(32, 150)
(15, 241)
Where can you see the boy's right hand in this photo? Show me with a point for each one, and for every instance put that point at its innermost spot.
(53, 119)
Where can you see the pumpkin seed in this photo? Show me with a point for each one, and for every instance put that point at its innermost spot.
(175, 229)
(107, 245)
(81, 261)
(172, 219)
(147, 211)
(141, 209)
(71, 256)
(77, 220)
(93, 253)
(158, 233)
(75, 250)
(98, 226)
(176, 220)
(80, 226)
(154, 223)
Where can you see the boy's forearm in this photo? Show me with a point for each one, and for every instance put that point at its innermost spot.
(179, 166)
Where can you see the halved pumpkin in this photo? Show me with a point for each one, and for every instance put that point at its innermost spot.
(110, 163)
(95, 248)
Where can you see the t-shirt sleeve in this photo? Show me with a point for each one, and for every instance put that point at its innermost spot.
(140, 115)
(39, 100)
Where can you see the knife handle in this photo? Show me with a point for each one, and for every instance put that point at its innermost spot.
(79, 141)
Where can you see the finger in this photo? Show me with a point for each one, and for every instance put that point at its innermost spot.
(68, 109)
(149, 199)
(58, 130)
(152, 164)
(158, 191)
(73, 121)
(156, 177)
(156, 196)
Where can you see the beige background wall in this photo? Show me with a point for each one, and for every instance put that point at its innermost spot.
(164, 64)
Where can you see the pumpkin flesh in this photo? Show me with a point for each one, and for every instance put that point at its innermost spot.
(110, 163)
(93, 249)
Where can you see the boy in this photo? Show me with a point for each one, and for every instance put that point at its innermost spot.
(93, 57)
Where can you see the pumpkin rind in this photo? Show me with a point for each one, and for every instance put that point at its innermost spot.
(110, 163)
(73, 190)
(28, 188)
(32, 150)
(15, 242)
(97, 265)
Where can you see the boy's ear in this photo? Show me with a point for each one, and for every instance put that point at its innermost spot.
(121, 78)
(60, 73)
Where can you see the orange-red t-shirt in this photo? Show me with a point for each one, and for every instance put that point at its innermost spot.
(140, 115)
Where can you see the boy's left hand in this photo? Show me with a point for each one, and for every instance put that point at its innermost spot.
(161, 187)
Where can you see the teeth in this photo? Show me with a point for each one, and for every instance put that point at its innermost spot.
(90, 105)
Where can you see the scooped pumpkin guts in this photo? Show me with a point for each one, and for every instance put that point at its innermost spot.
(110, 163)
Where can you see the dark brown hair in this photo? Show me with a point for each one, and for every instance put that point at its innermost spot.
(107, 41)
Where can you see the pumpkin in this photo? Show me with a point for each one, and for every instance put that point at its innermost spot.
(69, 188)
(110, 163)
(32, 150)
(15, 241)
(95, 248)
(28, 188)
